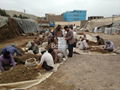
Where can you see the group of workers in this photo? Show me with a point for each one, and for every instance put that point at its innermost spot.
(52, 52)
(108, 45)
(68, 34)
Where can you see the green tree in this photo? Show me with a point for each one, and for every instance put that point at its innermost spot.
(20, 16)
(3, 13)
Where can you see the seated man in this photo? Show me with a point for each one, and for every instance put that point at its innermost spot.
(6, 61)
(56, 54)
(84, 44)
(38, 40)
(34, 47)
(12, 49)
(47, 61)
(109, 46)
(100, 41)
(50, 38)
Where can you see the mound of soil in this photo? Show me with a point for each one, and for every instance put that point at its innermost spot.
(91, 43)
(22, 59)
(95, 49)
(17, 74)
(24, 44)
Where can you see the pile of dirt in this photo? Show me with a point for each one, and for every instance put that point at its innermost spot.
(17, 74)
(91, 43)
(96, 49)
(10, 30)
(22, 59)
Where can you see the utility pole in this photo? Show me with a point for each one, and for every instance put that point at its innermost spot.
(24, 11)
(112, 23)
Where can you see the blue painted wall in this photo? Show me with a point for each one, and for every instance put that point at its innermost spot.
(76, 15)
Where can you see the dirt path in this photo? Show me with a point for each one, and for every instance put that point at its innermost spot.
(86, 72)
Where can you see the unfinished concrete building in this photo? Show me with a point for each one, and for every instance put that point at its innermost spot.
(95, 17)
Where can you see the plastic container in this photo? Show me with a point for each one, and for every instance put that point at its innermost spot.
(31, 62)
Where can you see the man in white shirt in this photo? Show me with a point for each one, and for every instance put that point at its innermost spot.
(84, 45)
(64, 32)
(46, 61)
(74, 27)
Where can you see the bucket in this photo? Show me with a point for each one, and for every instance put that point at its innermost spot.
(31, 62)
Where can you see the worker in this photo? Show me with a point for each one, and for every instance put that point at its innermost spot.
(58, 31)
(38, 40)
(12, 49)
(74, 34)
(100, 41)
(64, 32)
(84, 36)
(50, 38)
(34, 47)
(70, 40)
(74, 27)
(56, 52)
(6, 61)
(84, 44)
(109, 46)
(46, 61)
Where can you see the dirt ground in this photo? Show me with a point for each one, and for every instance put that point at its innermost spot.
(114, 38)
(86, 72)
(17, 41)
(17, 74)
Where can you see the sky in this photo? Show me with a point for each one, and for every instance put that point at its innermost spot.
(39, 7)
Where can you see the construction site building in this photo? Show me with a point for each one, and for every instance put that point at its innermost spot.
(95, 17)
(76, 15)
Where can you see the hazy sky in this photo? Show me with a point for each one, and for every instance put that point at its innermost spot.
(40, 7)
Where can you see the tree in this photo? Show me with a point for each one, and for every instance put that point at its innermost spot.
(24, 17)
(15, 15)
(20, 16)
(3, 13)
